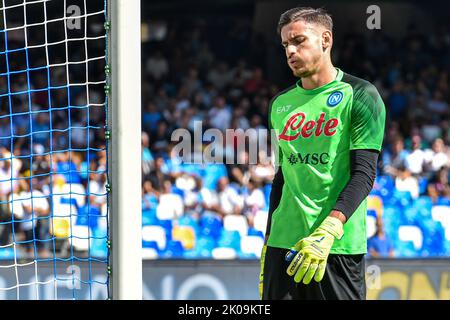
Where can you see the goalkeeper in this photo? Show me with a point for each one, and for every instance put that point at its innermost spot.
(330, 128)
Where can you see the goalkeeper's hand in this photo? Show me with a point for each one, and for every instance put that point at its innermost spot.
(309, 256)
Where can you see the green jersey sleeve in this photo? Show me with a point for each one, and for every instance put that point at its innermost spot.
(368, 116)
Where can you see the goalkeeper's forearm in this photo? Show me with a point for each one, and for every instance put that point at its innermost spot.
(363, 166)
(275, 196)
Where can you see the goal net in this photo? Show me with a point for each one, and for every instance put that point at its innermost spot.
(53, 150)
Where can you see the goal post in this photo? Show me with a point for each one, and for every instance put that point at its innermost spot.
(125, 148)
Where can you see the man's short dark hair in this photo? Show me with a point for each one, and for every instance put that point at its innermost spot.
(307, 14)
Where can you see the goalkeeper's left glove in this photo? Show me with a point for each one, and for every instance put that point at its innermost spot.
(309, 255)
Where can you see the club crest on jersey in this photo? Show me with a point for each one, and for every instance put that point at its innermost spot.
(297, 125)
(335, 98)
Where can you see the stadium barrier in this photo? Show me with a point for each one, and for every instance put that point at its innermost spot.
(396, 279)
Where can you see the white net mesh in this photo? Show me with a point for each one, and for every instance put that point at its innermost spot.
(53, 163)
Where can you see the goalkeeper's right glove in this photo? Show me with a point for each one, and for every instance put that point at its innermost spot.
(309, 255)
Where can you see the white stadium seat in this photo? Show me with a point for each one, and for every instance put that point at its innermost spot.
(411, 233)
(260, 221)
(236, 223)
(155, 233)
(371, 223)
(81, 236)
(224, 253)
(252, 245)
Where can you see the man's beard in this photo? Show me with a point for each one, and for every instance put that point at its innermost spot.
(303, 74)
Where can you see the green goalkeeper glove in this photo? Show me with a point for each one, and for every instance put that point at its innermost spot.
(309, 255)
(261, 273)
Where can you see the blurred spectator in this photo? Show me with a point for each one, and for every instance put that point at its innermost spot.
(157, 66)
(170, 204)
(438, 186)
(220, 114)
(436, 158)
(406, 182)
(63, 164)
(156, 176)
(161, 138)
(230, 201)
(89, 213)
(97, 184)
(415, 161)
(253, 200)
(395, 158)
(239, 172)
(147, 158)
(263, 171)
(380, 245)
(437, 105)
(149, 196)
(219, 75)
(150, 117)
(9, 170)
(397, 102)
(31, 208)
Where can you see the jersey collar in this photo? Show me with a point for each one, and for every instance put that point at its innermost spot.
(338, 78)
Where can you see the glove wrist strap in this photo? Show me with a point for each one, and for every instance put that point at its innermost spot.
(333, 226)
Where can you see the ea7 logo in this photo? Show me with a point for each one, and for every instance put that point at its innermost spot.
(283, 108)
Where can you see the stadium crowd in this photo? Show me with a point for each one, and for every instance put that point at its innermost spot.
(197, 81)
(191, 78)
(52, 145)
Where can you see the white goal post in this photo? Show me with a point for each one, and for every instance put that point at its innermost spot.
(125, 148)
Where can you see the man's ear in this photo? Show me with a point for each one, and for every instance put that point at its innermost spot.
(327, 40)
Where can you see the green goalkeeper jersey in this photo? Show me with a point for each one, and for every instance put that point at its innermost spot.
(316, 129)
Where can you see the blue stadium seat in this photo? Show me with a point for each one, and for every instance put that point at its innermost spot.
(193, 169)
(178, 191)
(99, 248)
(372, 213)
(423, 185)
(167, 225)
(150, 244)
(443, 201)
(424, 202)
(254, 232)
(88, 215)
(267, 190)
(433, 236)
(230, 239)
(384, 182)
(411, 215)
(188, 221)
(385, 194)
(447, 248)
(149, 217)
(249, 256)
(191, 254)
(203, 248)
(174, 249)
(210, 226)
(404, 197)
(393, 214)
(7, 253)
(405, 249)
(212, 173)
(392, 219)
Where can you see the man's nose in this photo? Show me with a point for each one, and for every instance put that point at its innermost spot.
(291, 49)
